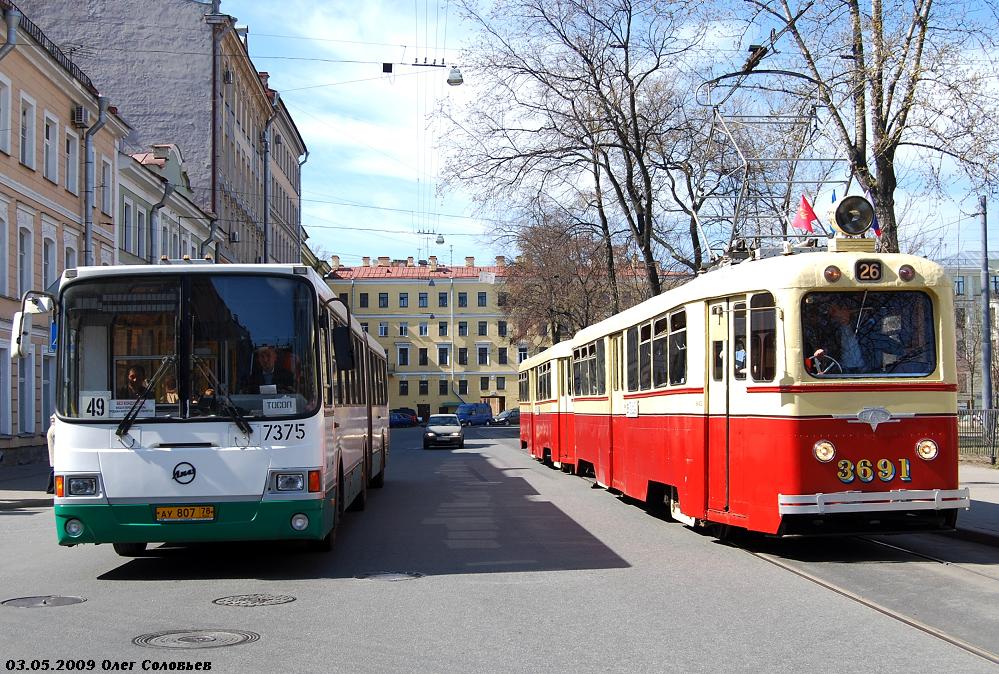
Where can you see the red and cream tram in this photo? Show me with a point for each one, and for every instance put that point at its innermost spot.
(804, 393)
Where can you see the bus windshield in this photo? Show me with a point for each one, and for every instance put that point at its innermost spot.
(868, 334)
(193, 341)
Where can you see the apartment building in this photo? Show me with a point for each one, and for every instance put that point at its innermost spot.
(965, 271)
(49, 115)
(180, 71)
(443, 328)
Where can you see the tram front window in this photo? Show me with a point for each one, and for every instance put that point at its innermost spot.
(868, 334)
(244, 340)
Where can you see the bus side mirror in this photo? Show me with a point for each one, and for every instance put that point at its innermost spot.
(343, 348)
(20, 335)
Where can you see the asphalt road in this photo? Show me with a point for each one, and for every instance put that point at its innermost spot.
(520, 568)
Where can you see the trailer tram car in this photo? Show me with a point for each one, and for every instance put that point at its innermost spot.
(203, 402)
(803, 393)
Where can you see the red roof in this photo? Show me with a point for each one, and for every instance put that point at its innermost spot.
(416, 272)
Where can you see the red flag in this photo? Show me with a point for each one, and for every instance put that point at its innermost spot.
(805, 216)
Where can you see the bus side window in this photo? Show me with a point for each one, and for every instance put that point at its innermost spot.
(763, 337)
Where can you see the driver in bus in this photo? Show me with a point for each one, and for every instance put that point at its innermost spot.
(267, 372)
(135, 383)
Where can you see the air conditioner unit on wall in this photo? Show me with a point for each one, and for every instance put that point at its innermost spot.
(81, 117)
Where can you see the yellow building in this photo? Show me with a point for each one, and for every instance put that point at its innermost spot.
(443, 328)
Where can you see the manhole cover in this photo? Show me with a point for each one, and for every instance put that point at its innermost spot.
(391, 575)
(254, 600)
(41, 602)
(187, 639)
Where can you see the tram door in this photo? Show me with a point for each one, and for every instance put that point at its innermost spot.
(717, 404)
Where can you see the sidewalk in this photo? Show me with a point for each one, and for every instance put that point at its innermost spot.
(24, 487)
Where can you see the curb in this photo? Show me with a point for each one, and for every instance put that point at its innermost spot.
(26, 503)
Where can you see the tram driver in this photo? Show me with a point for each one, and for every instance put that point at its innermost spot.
(845, 342)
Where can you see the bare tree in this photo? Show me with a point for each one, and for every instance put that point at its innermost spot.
(902, 79)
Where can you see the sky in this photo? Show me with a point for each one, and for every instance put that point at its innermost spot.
(371, 183)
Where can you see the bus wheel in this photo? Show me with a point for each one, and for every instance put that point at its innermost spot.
(129, 549)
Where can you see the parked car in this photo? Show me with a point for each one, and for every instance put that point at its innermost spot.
(474, 414)
(400, 420)
(443, 429)
(509, 417)
(409, 412)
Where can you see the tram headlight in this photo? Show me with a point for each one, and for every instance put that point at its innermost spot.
(906, 272)
(82, 486)
(289, 481)
(832, 273)
(927, 450)
(824, 451)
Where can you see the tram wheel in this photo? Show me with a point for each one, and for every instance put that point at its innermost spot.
(129, 549)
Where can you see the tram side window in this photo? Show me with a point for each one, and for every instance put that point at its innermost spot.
(678, 347)
(523, 388)
(600, 363)
(739, 340)
(577, 372)
(660, 352)
(632, 339)
(543, 388)
(645, 356)
(763, 337)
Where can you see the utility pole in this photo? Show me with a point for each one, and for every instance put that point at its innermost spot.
(986, 316)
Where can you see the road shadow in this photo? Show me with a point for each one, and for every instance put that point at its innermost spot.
(440, 512)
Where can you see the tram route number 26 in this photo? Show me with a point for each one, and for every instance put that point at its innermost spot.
(866, 470)
(278, 432)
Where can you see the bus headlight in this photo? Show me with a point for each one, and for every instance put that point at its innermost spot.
(824, 451)
(289, 481)
(299, 522)
(74, 528)
(926, 449)
(82, 486)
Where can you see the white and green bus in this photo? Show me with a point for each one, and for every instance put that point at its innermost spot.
(204, 402)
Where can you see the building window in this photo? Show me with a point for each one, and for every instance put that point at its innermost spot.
(140, 234)
(462, 299)
(483, 383)
(500, 383)
(442, 355)
(5, 418)
(403, 300)
(25, 272)
(403, 387)
(482, 299)
(72, 163)
(501, 355)
(403, 356)
(423, 301)
(995, 284)
(5, 114)
(106, 185)
(521, 354)
(403, 329)
(462, 356)
(483, 355)
(442, 329)
(959, 285)
(424, 357)
(462, 328)
(383, 300)
(382, 329)
(363, 300)
(462, 387)
(424, 387)
(343, 298)
(483, 328)
(441, 387)
(442, 299)
(501, 328)
(69, 259)
(50, 149)
(49, 269)
(27, 155)
(424, 329)
(26, 393)
(364, 327)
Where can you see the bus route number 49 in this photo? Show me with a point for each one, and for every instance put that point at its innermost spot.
(279, 432)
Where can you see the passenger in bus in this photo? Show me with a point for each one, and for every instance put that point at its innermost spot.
(170, 389)
(267, 372)
(135, 382)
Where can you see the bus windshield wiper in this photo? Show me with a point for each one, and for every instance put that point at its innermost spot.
(227, 403)
(133, 411)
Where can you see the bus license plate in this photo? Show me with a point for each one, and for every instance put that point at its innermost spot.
(192, 513)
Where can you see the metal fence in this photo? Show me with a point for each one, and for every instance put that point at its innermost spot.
(978, 433)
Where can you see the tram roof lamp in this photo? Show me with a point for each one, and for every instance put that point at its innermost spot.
(454, 79)
(852, 215)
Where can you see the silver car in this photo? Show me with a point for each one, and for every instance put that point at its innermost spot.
(443, 429)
